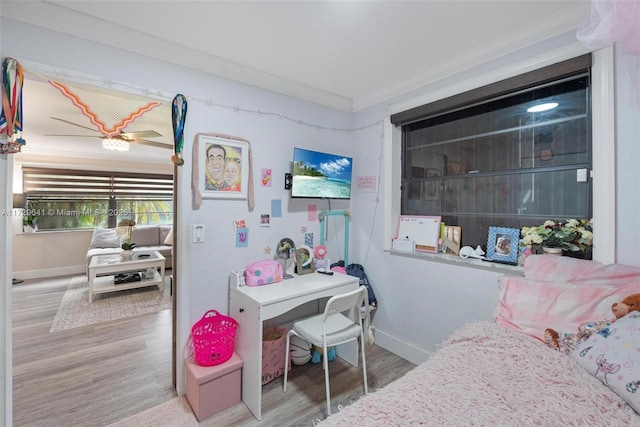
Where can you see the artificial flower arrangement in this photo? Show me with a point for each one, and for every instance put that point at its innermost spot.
(125, 230)
(572, 235)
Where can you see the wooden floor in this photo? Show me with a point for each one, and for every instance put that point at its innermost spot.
(96, 375)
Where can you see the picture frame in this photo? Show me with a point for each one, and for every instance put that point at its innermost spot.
(224, 166)
(451, 240)
(302, 256)
(502, 245)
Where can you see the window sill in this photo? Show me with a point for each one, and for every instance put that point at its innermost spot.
(515, 270)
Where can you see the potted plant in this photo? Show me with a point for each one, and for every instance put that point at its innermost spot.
(571, 236)
(29, 220)
(125, 230)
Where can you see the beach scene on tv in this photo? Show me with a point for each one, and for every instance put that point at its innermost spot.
(321, 175)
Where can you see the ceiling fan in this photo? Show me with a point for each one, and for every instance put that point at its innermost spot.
(120, 141)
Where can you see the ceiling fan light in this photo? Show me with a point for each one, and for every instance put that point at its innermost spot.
(115, 144)
(542, 107)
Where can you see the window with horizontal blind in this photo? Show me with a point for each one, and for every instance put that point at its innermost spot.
(485, 158)
(75, 199)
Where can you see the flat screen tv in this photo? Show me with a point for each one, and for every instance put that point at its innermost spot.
(319, 175)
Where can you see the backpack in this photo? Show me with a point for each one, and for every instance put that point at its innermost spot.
(357, 270)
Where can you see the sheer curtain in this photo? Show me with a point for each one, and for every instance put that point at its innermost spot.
(612, 21)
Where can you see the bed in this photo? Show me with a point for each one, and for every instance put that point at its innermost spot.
(502, 373)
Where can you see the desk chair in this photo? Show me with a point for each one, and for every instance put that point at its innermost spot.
(332, 328)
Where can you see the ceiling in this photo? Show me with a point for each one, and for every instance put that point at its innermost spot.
(347, 55)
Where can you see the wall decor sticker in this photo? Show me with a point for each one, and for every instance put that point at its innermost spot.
(265, 220)
(242, 237)
(367, 184)
(308, 239)
(276, 208)
(312, 213)
(265, 176)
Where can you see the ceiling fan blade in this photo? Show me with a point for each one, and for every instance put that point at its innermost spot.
(141, 134)
(77, 136)
(151, 143)
(75, 124)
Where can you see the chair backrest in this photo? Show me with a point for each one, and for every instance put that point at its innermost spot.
(346, 301)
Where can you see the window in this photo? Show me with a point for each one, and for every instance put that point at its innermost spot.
(73, 199)
(480, 159)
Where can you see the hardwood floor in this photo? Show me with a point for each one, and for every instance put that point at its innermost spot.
(88, 376)
(96, 375)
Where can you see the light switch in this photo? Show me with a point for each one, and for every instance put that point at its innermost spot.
(197, 233)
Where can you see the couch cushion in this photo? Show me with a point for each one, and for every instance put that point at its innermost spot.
(166, 234)
(104, 238)
(146, 235)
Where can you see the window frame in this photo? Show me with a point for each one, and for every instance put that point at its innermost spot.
(603, 140)
(108, 188)
(435, 131)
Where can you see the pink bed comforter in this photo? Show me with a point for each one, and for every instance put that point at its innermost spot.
(487, 375)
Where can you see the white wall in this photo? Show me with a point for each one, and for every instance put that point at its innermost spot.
(627, 156)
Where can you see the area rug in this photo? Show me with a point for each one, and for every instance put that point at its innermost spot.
(174, 413)
(75, 310)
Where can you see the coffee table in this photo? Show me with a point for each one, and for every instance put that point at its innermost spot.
(103, 268)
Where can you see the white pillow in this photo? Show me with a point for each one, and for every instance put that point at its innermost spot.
(613, 357)
(169, 239)
(104, 238)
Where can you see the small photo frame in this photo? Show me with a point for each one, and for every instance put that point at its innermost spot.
(224, 166)
(502, 245)
(302, 257)
(451, 240)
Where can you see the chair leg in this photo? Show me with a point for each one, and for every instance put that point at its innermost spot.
(286, 361)
(364, 364)
(325, 365)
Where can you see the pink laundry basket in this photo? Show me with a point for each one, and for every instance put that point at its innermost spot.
(213, 338)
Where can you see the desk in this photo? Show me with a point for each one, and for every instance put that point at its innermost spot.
(251, 306)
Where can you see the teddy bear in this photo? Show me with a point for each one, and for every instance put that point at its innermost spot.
(567, 342)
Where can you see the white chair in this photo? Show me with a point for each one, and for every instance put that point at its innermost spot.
(332, 328)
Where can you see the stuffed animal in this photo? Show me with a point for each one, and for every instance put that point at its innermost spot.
(567, 342)
(316, 354)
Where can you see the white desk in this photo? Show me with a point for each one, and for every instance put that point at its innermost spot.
(251, 306)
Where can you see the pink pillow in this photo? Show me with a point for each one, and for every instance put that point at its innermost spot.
(565, 269)
(531, 306)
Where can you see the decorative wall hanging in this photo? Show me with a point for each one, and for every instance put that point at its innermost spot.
(266, 177)
(276, 208)
(108, 132)
(178, 117)
(222, 168)
(11, 117)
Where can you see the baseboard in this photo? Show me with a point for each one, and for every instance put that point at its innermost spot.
(403, 349)
(50, 272)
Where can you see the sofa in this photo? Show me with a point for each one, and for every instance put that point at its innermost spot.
(105, 241)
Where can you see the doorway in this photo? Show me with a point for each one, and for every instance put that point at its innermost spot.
(80, 144)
